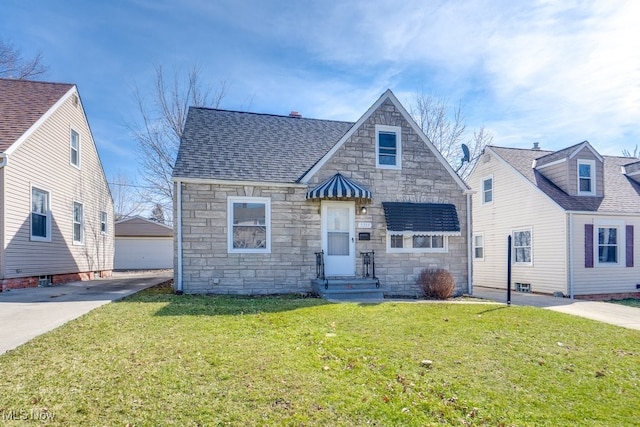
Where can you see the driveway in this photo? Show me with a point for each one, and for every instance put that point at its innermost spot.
(27, 313)
(615, 314)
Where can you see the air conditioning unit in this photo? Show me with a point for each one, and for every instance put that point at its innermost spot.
(523, 287)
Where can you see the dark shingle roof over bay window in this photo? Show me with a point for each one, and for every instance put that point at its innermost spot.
(232, 145)
(436, 218)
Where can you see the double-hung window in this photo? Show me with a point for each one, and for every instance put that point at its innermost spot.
(75, 148)
(478, 246)
(388, 147)
(249, 222)
(608, 242)
(40, 215)
(487, 191)
(103, 222)
(522, 247)
(78, 223)
(586, 177)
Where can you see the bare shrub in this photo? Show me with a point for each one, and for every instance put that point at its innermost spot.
(436, 283)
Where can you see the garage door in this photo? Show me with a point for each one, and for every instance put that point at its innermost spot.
(136, 253)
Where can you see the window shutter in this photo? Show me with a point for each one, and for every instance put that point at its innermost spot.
(629, 245)
(588, 245)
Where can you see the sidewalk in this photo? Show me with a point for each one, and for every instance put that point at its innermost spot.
(615, 314)
(27, 313)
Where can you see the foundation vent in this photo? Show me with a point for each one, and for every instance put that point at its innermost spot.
(523, 287)
(44, 281)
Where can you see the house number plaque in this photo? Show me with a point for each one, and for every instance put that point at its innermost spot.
(364, 225)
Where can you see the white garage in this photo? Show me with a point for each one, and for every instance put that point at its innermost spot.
(142, 244)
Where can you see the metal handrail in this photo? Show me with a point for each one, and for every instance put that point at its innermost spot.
(369, 264)
(320, 265)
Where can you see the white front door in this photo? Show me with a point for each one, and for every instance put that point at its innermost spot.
(338, 238)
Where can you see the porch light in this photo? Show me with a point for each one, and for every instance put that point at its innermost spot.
(363, 210)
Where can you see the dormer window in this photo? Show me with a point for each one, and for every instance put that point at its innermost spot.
(586, 177)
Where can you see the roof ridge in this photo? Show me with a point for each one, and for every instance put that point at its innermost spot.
(517, 148)
(37, 81)
(269, 114)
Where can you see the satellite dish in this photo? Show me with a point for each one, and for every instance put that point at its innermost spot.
(465, 152)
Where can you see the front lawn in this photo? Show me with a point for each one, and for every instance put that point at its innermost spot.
(157, 359)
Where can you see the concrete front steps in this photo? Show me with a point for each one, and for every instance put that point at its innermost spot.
(348, 289)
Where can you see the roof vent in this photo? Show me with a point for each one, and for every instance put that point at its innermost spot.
(536, 146)
(295, 115)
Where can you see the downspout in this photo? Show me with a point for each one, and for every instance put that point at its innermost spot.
(179, 235)
(570, 255)
(469, 247)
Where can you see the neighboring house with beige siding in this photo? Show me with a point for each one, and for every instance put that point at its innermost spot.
(56, 210)
(270, 204)
(573, 215)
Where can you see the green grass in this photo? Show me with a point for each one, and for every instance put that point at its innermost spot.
(631, 302)
(162, 360)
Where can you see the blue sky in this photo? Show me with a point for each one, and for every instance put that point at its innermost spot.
(557, 72)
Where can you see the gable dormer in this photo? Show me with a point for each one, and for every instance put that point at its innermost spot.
(632, 171)
(577, 170)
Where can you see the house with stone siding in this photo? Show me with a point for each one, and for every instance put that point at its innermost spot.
(573, 216)
(56, 210)
(270, 204)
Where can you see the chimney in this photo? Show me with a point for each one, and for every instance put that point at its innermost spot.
(295, 115)
(536, 146)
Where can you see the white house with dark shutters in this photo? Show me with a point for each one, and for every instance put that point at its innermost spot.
(268, 204)
(573, 216)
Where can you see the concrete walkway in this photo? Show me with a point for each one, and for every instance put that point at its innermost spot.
(27, 313)
(615, 314)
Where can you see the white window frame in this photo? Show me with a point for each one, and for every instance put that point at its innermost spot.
(592, 177)
(621, 245)
(407, 242)
(397, 130)
(74, 222)
(104, 222)
(72, 149)
(475, 247)
(484, 192)
(33, 238)
(267, 213)
(513, 246)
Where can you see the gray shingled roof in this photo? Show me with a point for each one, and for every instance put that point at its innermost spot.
(622, 194)
(232, 145)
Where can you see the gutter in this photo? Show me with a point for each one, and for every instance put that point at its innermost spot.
(178, 226)
(4, 159)
(469, 246)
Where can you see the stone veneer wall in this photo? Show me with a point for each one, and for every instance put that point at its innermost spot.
(296, 222)
(208, 268)
(422, 179)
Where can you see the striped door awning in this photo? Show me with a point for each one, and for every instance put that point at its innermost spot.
(338, 187)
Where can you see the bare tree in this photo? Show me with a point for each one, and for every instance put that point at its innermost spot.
(157, 214)
(161, 122)
(128, 198)
(14, 66)
(628, 153)
(446, 128)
